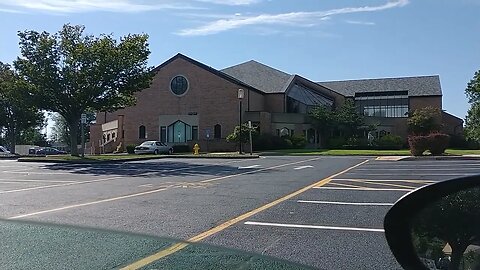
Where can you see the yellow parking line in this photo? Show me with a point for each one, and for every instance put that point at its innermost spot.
(386, 180)
(344, 185)
(389, 185)
(179, 246)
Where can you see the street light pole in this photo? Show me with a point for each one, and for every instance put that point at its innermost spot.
(241, 94)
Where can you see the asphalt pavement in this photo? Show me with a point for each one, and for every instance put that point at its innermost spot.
(324, 212)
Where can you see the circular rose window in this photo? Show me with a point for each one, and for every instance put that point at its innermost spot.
(179, 85)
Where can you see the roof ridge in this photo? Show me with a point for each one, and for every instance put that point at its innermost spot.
(259, 63)
(382, 78)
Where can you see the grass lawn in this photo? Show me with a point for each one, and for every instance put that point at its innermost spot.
(346, 152)
(462, 152)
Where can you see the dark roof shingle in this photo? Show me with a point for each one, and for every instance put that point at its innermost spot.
(260, 76)
(416, 86)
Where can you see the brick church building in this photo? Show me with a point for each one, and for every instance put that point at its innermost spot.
(190, 102)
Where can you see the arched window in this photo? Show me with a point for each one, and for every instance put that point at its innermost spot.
(217, 131)
(142, 132)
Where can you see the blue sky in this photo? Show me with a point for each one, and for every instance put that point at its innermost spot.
(318, 39)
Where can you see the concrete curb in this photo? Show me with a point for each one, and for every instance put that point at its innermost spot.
(133, 159)
(441, 158)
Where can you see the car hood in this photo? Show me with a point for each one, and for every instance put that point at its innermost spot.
(31, 245)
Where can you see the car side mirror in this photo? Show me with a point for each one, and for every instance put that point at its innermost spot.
(437, 226)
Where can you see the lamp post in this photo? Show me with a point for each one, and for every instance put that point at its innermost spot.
(241, 94)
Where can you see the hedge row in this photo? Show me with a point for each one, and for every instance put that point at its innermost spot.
(436, 143)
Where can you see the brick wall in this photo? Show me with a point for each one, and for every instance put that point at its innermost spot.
(209, 96)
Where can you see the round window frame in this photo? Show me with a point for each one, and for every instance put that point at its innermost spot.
(186, 90)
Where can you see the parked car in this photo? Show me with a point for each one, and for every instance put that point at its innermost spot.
(153, 147)
(49, 151)
(4, 151)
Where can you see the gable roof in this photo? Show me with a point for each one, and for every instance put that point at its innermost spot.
(260, 76)
(207, 68)
(416, 86)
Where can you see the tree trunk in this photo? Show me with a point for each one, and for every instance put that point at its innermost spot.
(73, 127)
(12, 138)
(457, 255)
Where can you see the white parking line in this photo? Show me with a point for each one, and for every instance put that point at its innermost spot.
(248, 167)
(346, 203)
(416, 169)
(303, 167)
(313, 227)
(40, 181)
(365, 189)
(423, 174)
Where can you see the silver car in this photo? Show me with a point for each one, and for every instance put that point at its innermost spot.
(4, 151)
(153, 147)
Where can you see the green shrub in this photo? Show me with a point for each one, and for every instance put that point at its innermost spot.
(418, 144)
(390, 142)
(181, 148)
(438, 143)
(336, 142)
(131, 148)
(298, 141)
(266, 141)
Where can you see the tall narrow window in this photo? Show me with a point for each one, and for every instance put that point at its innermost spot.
(163, 134)
(142, 132)
(194, 133)
(217, 131)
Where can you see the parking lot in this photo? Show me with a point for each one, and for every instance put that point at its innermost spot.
(325, 212)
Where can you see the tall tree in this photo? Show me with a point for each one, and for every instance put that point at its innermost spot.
(74, 72)
(424, 121)
(61, 132)
(472, 121)
(349, 120)
(17, 113)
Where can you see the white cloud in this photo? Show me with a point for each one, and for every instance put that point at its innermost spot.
(77, 6)
(231, 2)
(359, 22)
(292, 18)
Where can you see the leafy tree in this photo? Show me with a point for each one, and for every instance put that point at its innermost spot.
(17, 113)
(61, 132)
(324, 120)
(454, 219)
(424, 121)
(472, 121)
(33, 136)
(346, 120)
(74, 72)
(235, 136)
(349, 121)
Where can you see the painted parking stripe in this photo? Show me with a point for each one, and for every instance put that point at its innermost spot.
(346, 203)
(416, 169)
(344, 185)
(423, 174)
(364, 189)
(199, 237)
(98, 180)
(40, 181)
(313, 227)
(303, 167)
(248, 167)
(385, 180)
(382, 184)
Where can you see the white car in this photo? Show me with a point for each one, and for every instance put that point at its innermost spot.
(153, 147)
(4, 151)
